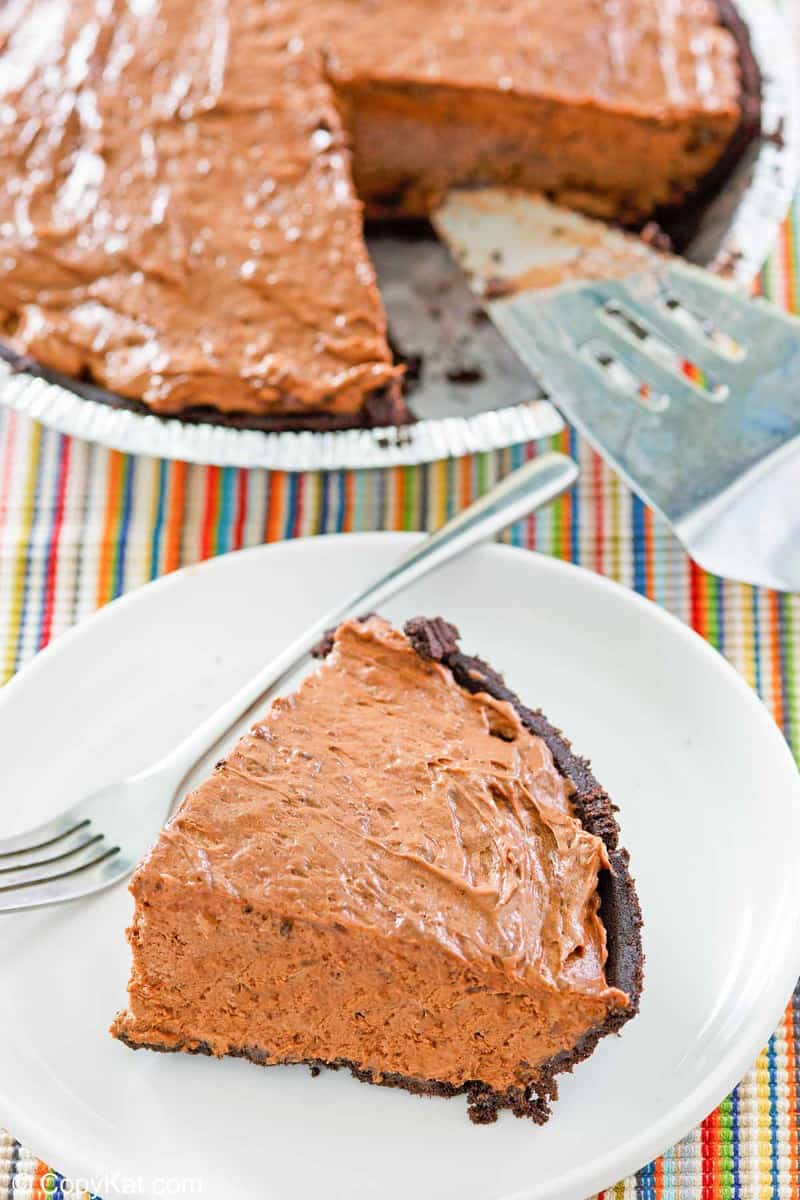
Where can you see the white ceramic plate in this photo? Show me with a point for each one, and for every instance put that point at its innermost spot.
(710, 809)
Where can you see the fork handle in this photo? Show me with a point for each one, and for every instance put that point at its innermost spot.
(539, 481)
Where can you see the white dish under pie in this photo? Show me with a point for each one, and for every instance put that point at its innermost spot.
(709, 801)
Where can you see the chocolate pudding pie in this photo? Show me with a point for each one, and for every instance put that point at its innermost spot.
(181, 216)
(400, 870)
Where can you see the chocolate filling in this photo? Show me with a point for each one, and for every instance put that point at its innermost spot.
(436, 639)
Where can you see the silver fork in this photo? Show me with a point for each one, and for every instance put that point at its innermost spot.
(689, 388)
(99, 840)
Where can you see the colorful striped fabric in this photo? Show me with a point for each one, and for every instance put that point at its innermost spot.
(80, 525)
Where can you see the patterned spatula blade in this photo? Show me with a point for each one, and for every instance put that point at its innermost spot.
(690, 389)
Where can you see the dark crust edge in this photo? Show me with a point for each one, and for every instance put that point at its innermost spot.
(435, 639)
(386, 406)
(681, 221)
(383, 407)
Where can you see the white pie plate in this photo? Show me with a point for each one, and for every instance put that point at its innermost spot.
(710, 810)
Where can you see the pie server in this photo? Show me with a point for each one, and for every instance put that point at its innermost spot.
(687, 387)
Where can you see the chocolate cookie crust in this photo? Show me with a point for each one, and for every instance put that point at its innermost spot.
(437, 640)
(681, 222)
(382, 408)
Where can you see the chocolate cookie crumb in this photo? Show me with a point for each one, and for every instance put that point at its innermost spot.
(432, 637)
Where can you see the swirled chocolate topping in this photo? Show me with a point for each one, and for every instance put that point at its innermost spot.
(179, 220)
(386, 870)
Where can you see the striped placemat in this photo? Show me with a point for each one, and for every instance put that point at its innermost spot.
(80, 525)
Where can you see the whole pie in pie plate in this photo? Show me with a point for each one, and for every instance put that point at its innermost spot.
(182, 227)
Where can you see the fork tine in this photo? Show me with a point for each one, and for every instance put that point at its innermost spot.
(99, 873)
(85, 854)
(80, 836)
(43, 835)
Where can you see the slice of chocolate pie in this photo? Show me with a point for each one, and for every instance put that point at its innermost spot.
(400, 870)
